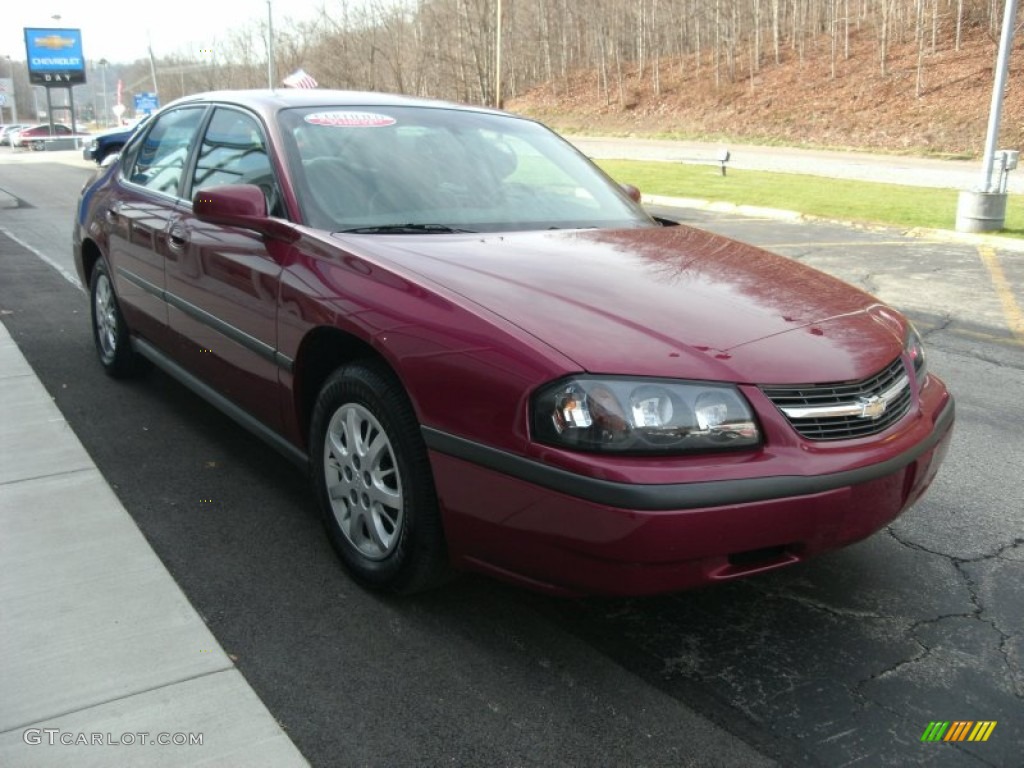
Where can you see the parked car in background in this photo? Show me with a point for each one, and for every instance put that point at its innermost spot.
(37, 136)
(108, 143)
(7, 131)
(488, 356)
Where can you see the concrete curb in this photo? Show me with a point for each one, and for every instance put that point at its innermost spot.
(999, 242)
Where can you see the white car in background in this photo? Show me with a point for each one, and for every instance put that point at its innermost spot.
(8, 131)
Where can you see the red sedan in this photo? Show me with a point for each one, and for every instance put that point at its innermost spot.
(487, 354)
(36, 136)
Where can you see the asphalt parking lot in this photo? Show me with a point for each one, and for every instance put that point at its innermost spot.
(973, 290)
(844, 660)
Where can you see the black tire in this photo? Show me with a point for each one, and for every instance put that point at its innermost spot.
(109, 330)
(37, 146)
(383, 518)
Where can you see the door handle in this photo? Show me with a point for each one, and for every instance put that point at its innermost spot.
(176, 240)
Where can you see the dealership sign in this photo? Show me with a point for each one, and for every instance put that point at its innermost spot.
(55, 56)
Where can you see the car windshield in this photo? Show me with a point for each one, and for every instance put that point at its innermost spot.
(415, 170)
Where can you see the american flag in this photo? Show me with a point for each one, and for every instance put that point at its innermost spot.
(300, 79)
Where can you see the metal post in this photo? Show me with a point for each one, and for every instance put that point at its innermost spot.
(497, 61)
(998, 86)
(103, 72)
(14, 91)
(152, 71)
(270, 46)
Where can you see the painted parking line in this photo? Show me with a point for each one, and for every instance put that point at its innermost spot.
(988, 338)
(1011, 310)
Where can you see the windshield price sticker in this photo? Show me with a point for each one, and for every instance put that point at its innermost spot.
(350, 119)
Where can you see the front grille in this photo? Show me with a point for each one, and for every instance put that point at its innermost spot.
(799, 403)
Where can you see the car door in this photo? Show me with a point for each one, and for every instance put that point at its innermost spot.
(223, 282)
(139, 215)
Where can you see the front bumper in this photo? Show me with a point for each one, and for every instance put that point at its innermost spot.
(581, 535)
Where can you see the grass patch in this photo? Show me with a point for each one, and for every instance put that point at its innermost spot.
(860, 201)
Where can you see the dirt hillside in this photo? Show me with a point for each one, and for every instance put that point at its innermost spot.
(799, 103)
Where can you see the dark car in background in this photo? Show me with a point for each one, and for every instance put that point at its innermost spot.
(110, 142)
(488, 356)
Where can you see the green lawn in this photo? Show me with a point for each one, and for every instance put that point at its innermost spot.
(859, 201)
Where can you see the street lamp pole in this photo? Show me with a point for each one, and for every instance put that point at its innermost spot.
(14, 90)
(270, 46)
(497, 59)
(998, 94)
(103, 75)
(983, 209)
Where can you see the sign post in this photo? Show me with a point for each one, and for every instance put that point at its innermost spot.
(7, 98)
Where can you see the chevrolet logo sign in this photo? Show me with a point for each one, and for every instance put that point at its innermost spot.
(55, 42)
(872, 407)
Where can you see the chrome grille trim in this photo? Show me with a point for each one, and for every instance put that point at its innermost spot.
(847, 410)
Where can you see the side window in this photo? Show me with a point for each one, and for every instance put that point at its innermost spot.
(233, 152)
(160, 160)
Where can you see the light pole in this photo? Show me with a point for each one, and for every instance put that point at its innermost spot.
(270, 46)
(983, 209)
(497, 58)
(13, 94)
(103, 76)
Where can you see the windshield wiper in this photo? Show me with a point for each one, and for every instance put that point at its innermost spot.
(404, 229)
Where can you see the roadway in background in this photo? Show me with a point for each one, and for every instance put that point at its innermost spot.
(861, 166)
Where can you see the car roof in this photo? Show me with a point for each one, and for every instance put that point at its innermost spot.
(270, 102)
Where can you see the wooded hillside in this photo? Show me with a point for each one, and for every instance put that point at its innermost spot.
(885, 74)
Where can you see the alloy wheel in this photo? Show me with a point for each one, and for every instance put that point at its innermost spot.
(363, 482)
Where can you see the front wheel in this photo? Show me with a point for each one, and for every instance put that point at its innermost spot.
(109, 331)
(373, 481)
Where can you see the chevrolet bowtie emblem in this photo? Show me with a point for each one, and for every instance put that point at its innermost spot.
(54, 42)
(872, 407)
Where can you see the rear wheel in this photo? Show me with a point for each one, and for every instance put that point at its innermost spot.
(109, 331)
(373, 481)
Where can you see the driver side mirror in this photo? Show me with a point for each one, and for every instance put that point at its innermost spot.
(240, 205)
(632, 191)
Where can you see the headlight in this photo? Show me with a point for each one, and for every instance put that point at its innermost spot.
(615, 414)
(94, 144)
(914, 348)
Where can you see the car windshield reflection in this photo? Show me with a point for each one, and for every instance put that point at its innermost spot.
(407, 170)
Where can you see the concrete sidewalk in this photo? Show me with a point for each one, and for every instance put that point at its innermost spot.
(103, 661)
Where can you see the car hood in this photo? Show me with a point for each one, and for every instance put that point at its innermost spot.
(672, 301)
(108, 132)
